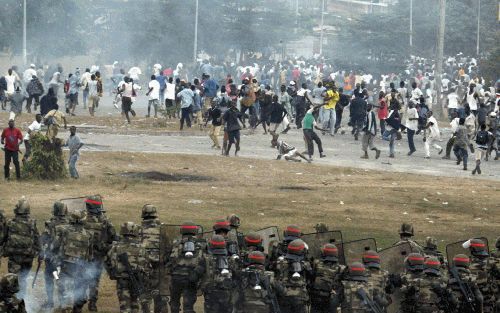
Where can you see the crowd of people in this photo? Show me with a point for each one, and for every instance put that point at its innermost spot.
(158, 266)
(312, 94)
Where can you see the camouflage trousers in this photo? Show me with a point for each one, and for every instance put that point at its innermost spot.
(153, 294)
(22, 267)
(128, 302)
(185, 289)
(94, 280)
(218, 301)
(72, 287)
(322, 304)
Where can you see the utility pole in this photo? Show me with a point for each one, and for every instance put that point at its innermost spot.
(195, 49)
(411, 24)
(478, 25)
(439, 60)
(25, 54)
(296, 15)
(322, 27)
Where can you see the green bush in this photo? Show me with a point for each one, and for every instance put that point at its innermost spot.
(47, 160)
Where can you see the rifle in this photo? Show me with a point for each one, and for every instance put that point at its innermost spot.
(369, 303)
(136, 282)
(267, 287)
(464, 288)
(40, 258)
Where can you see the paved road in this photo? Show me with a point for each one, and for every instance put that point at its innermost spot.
(341, 150)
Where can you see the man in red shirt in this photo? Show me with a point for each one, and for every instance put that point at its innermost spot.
(11, 138)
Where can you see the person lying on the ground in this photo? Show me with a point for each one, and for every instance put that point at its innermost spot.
(289, 152)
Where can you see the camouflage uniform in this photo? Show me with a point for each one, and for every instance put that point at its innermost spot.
(483, 267)
(103, 234)
(72, 250)
(217, 283)
(461, 263)
(9, 303)
(251, 242)
(292, 273)
(223, 227)
(355, 282)
(431, 249)
(3, 227)
(425, 291)
(22, 242)
(186, 267)
(150, 238)
(378, 279)
(129, 248)
(325, 280)
(234, 235)
(279, 249)
(59, 213)
(405, 234)
(495, 273)
(256, 287)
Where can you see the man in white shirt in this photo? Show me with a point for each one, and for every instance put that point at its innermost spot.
(434, 135)
(452, 103)
(170, 98)
(93, 94)
(416, 93)
(411, 126)
(154, 95)
(35, 127)
(28, 74)
(84, 80)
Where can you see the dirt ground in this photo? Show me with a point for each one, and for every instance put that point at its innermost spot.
(360, 202)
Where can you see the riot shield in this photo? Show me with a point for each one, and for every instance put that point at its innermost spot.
(392, 258)
(168, 234)
(352, 251)
(316, 240)
(75, 203)
(455, 248)
(269, 235)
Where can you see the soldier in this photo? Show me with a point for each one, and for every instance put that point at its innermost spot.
(321, 228)
(325, 280)
(405, 234)
(464, 287)
(355, 292)
(431, 249)
(252, 242)
(291, 233)
(234, 235)
(483, 267)
(3, 227)
(72, 251)
(217, 284)
(222, 227)
(22, 242)
(256, 287)
(293, 272)
(59, 212)
(103, 234)
(150, 237)
(186, 267)
(378, 279)
(427, 292)
(127, 264)
(414, 267)
(9, 303)
(495, 272)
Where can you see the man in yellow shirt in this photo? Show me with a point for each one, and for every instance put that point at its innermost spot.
(331, 98)
(54, 119)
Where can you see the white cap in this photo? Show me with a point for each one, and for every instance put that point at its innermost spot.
(32, 65)
(292, 83)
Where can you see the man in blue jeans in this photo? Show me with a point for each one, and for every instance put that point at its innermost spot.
(393, 122)
(74, 144)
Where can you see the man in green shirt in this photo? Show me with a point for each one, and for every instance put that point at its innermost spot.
(308, 125)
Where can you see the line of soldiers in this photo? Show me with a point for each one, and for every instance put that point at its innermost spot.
(155, 264)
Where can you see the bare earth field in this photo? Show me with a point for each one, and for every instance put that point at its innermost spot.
(360, 202)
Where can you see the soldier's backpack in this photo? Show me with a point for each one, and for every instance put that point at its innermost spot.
(136, 258)
(20, 238)
(75, 246)
(151, 241)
